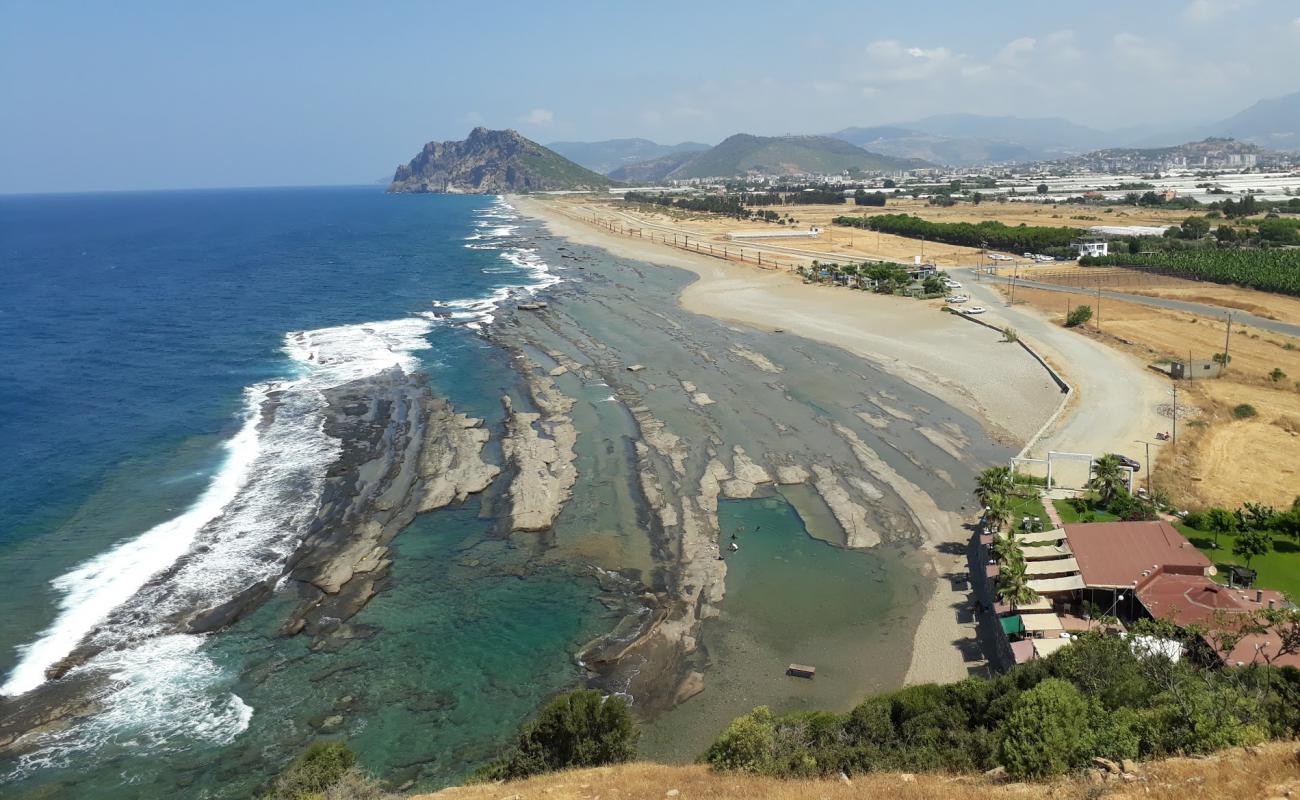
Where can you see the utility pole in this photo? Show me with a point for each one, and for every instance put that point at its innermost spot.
(1227, 337)
(1099, 304)
(1174, 438)
(1148, 464)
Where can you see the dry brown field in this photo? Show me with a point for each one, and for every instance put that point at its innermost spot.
(1219, 459)
(1269, 771)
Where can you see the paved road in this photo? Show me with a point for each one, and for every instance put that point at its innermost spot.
(1178, 305)
(1116, 396)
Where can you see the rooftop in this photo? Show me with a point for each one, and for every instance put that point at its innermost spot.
(1194, 599)
(1120, 554)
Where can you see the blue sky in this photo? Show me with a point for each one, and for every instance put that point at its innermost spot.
(165, 94)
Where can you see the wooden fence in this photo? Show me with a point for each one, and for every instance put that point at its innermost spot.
(687, 243)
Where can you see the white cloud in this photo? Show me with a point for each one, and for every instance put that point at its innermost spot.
(1203, 11)
(1295, 24)
(472, 118)
(1016, 50)
(539, 116)
(896, 63)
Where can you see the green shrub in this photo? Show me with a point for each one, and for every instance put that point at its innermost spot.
(320, 767)
(1048, 732)
(578, 729)
(1077, 316)
(1195, 519)
(1244, 411)
(1276, 375)
(746, 745)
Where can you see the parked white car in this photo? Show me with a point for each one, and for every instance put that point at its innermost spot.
(956, 298)
(973, 310)
(951, 284)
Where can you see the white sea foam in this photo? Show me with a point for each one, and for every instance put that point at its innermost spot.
(247, 521)
(239, 531)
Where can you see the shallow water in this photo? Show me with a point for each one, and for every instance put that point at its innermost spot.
(792, 598)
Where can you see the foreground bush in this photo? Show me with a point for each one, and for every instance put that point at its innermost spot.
(322, 766)
(579, 729)
(1093, 698)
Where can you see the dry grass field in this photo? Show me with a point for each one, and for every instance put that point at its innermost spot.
(1270, 771)
(1220, 459)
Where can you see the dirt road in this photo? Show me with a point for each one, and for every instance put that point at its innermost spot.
(1116, 397)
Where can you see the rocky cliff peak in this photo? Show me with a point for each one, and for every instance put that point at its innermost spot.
(491, 162)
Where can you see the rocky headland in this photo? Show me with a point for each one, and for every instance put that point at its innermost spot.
(491, 162)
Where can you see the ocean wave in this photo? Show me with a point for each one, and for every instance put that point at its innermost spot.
(166, 696)
(240, 531)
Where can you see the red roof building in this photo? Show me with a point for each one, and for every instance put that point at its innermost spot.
(1194, 599)
(1117, 555)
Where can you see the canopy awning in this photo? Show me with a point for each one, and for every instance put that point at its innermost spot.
(1012, 625)
(1054, 535)
(1045, 647)
(1059, 566)
(1041, 604)
(1041, 622)
(1041, 551)
(1049, 585)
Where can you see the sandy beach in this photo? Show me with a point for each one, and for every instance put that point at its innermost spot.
(964, 365)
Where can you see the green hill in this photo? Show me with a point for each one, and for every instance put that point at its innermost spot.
(788, 155)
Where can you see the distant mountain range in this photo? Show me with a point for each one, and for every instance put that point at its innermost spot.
(743, 152)
(608, 156)
(491, 162)
(970, 139)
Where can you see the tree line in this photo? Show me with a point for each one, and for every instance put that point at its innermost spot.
(991, 234)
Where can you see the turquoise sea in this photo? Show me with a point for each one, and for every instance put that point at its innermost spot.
(141, 331)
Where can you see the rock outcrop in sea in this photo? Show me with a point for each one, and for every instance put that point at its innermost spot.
(491, 162)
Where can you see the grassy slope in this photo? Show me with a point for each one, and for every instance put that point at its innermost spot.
(556, 167)
(1232, 773)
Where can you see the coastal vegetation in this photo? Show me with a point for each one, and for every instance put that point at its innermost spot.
(989, 233)
(578, 729)
(1101, 697)
(1271, 270)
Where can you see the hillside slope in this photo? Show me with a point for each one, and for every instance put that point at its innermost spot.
(607, 156)
(1273, 123)
(491, 162)
(1269, 771)
(787, 155)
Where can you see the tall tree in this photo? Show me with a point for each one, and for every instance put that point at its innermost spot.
(1220, 521)
(1107, 478)
(1013, 584)
(1252, 543)
(994, 480)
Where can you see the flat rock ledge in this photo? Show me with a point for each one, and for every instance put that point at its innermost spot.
(538, 447)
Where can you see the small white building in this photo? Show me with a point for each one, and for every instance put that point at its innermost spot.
(1091, 247)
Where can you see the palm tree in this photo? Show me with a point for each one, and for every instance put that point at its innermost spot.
(1013, 585)
(997, 511)
(994, 480)
(1007, 550)
(1107, 479)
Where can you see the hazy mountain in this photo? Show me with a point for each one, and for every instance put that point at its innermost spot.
(1051, 133)
(490, 162)
(956, 151)
(654, 170)
(787, 155)
(1273, 123)
(605, 157)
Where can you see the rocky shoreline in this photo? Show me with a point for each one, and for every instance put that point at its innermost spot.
(404, 452)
